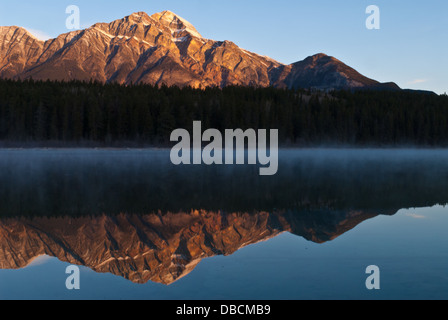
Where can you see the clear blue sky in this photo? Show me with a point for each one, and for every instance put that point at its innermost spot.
(411, 48)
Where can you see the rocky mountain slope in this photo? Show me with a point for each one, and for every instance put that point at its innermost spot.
(155, 247)
(162, 49)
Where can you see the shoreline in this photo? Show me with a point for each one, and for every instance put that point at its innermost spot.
(169, 147)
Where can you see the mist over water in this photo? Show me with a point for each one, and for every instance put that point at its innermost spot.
(56, 182)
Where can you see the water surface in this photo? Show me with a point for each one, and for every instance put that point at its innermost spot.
(142, 228)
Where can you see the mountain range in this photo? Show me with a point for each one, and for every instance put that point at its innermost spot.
(159, 248)
(163, 49)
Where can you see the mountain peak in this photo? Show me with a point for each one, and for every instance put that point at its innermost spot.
(178, 25)
(168, 13)
(322, 56)
(139, 14)
(139, 17)
(15, 30)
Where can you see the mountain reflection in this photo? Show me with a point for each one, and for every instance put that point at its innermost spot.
(133, 214)
(155, 247)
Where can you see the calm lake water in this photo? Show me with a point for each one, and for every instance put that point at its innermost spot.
(139, 227)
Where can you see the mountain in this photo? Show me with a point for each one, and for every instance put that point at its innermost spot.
(162, 49)
(18, 51)
(155, 247)
(322, 72)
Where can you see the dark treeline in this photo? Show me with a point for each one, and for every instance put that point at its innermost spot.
(76, 112)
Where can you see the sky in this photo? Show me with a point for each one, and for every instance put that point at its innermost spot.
(410, 48)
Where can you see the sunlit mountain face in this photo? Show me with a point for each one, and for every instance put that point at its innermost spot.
(133, 214)
(163, 48)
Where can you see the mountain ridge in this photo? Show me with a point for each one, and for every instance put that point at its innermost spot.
(163, 48)
(155, 247)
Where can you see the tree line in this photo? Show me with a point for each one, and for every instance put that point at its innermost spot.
(76, 112)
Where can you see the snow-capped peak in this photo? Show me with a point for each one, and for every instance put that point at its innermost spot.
(178, 26)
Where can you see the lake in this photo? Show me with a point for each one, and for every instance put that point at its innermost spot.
(139, 227)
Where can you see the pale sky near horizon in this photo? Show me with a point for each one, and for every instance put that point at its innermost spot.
(411, 48)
